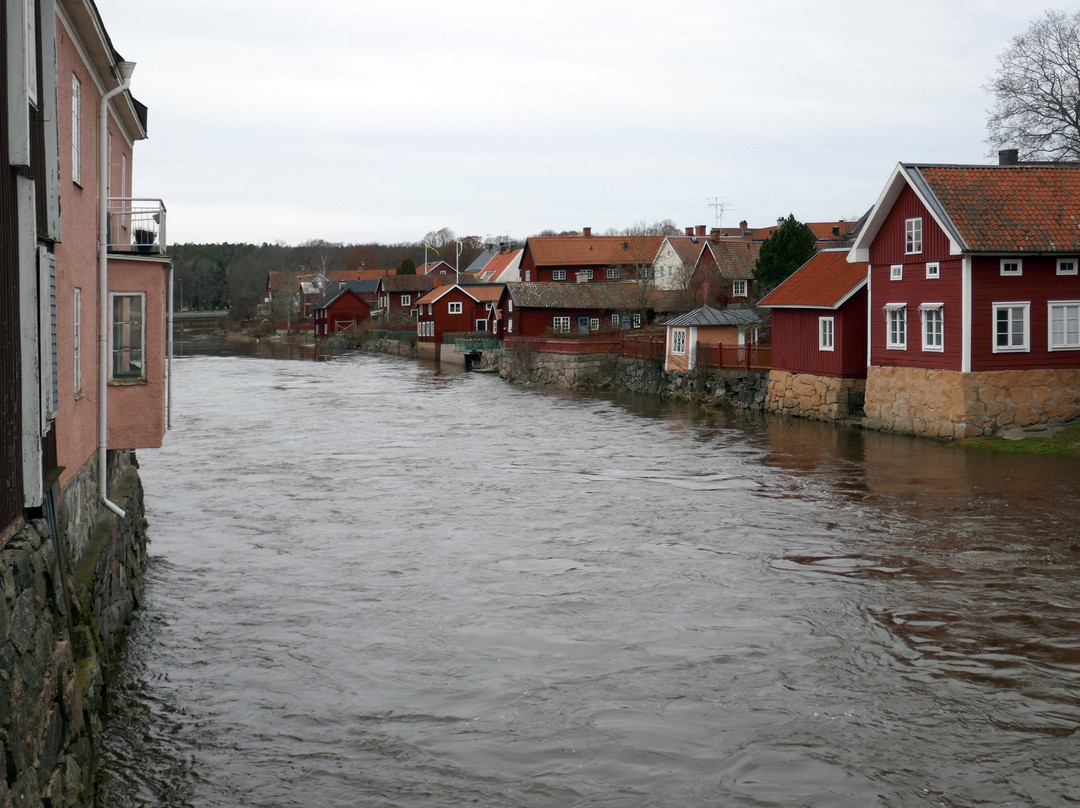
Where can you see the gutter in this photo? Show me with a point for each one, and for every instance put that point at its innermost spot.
(124, 69)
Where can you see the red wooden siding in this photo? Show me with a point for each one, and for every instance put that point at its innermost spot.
(345, 311)
(888, 246)
(445, 322)
(913, 290)
(1038, 285)
(795, 340)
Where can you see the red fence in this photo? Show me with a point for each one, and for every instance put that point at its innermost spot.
(643, 345)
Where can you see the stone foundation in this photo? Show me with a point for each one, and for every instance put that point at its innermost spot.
(65, 601)
(807, 395)
(948, 404)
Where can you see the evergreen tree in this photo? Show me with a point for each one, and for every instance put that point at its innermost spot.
(791, 246)
(408, 267)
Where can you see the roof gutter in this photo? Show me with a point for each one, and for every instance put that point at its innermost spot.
(125, 69)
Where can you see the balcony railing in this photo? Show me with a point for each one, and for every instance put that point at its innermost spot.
(136, 226)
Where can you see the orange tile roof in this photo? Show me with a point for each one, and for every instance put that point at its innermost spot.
(499, 263)
(604, 251)
(823, 282)
(823, 231)
(487, 293)
(1010, 209)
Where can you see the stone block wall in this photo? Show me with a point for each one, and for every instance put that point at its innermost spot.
(807, 395)
(950, 405)
(564, 371)
(60, 625)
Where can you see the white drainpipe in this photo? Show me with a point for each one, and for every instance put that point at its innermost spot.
(125, 69)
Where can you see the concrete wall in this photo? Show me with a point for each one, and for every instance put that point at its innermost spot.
(807, 395)
(949, 404)
(65, 600)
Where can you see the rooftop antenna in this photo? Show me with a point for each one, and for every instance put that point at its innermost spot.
(720, 207)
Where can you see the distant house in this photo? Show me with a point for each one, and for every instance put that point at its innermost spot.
(435, 268)
(588, 258)
(502, 268)
(538, 309)
(397, 295)
(974, 297)
(445, 309)
(704, 326)
(340, 311)
(728, 268)
(819, 338)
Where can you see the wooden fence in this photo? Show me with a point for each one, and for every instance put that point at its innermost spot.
(643, 345)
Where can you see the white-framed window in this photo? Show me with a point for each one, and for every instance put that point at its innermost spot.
(594, 324)
(678, 341)
(933, 270)
(1066, 266)
(1011, 326)
(615, 321)
(558, 274)
(128, 336)
(510, 304)
(896, 272)
(76, 129)
(510, 325)
(430, 308)
(560, 324)
(586, 274)
(913, 235)
(481, 325)
(1012, 266)
(933, 326)
(637, 321)
(645, 273)
(76, 342)
(826, 327)
(738, 289)
(614, 273)
(896, 326)
(454, 307)
(528, 275)
(406, 300)
(1064, 317)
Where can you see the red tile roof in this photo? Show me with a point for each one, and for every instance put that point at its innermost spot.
(1003, 209)
(603, 251)
(823, 282)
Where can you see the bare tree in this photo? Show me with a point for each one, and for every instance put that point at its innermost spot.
(1037, 91)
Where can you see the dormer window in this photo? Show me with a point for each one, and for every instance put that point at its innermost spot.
(913, 235)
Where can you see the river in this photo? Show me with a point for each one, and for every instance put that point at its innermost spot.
(373, 583)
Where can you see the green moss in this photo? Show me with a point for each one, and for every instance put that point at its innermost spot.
(1066, 443)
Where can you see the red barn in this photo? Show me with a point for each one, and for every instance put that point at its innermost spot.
(342, 310)
(819, 339)
(974, 298)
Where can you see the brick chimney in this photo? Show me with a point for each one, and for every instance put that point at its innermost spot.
(743, 225)
(714, 235)
(701, 230)
(689, 231)
(586, 231)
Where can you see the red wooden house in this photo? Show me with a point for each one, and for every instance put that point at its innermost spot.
(539, 309)
(397, 295)
(587, 258)
(974, 298)
(819, 338)
(343, 310)
(443, 310)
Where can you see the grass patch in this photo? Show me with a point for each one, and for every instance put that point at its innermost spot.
(1065, 443)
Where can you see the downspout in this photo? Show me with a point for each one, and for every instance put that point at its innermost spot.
(125, 69)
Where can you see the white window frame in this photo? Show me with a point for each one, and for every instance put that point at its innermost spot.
(678, 341)
(1026, 320)
(137, 352)
(615, 321)
(1064, 345)
(76, 342)
(738, 289)
(510, 304)
(594, 324)
(913, 235)
(76, 130)
(510, 325)
(826, 333)
(896, 326)
(560, 324)
(586, 273)
(933, 270)
(636, 319)
(453, 307)
(896, 272)
(558, 274)
(931, 314)
(1066, 266)
(614, 273)
(406, 300)
(481, 325)
(1012, 267)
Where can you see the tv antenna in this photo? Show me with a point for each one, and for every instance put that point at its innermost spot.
(720, 207)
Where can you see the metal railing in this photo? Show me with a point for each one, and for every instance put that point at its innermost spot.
(137, 226)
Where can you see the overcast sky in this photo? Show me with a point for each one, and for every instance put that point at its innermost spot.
(356, 120)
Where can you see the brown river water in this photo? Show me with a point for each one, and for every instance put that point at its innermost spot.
(373, 583)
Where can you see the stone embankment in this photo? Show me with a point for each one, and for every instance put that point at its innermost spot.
(820, 398)
(68, 587)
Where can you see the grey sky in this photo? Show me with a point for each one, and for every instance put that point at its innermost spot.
(354, 120)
